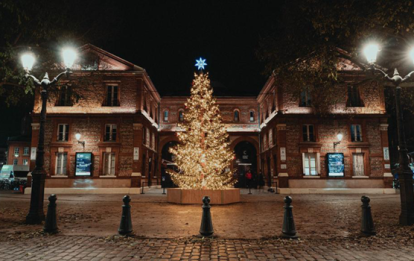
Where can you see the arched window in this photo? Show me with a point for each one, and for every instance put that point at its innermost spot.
(165, 116)
(236, 116)
(251, 116)
(181, 115)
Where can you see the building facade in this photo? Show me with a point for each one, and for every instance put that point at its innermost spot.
(125, 130)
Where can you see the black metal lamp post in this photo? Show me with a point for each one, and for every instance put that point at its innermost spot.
(36, 214)
(404, 172)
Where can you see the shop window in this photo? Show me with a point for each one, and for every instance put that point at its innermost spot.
(311, 164)
(305, 98)
(26, 151)
(354, 99)
(358, 162)
(165, 116)
(110, 132)
(65, 96)
(63, 132)
(61, 161)
(112, 95)
(109, 164)
(236, 117)
(251, 116)
(308, 132)
(356, 132)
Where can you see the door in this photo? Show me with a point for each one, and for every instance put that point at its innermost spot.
(358, 160)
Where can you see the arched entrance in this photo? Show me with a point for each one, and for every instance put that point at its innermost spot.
(167, 162)
(246, 159)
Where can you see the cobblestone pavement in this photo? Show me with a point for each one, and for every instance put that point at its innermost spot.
(120, 248)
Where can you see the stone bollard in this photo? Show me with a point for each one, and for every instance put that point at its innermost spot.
(367, 225)
(289, 229)
(50, 222)
(125, 228)
(206, 228)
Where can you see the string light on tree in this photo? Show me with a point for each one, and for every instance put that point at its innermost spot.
(203, 155)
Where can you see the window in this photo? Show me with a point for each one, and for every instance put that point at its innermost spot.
(358, 160)
(354, 99)
(112, 95)
(308, 134)
(15, 161)
(147, 137)
(251, 116)
(153, 141)
(109, 164)
(110, 132)
(236, 116)
(181, 115)
(305, 98)
(310, 164)
(270, 138)
(61, 160)
(165, 116)
(16, 152)
(25, 161)
(356, 132)
(65, 96)
(63, 132)
(26, 151)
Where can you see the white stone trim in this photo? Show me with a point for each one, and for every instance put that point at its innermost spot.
(360, 177)
(388, 175)
(283, 175)
(136, 174)
(59, 176)
(107, 177)
(312, 177)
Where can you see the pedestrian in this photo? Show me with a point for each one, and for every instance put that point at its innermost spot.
(249, 178)
(260, 181)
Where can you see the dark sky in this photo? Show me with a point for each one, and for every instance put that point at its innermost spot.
(166, 37)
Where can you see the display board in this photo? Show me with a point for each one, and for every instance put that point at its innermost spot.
(336, 164)
(83, 164)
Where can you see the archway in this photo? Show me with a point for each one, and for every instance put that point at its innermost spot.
(167, 162)
(246, 160)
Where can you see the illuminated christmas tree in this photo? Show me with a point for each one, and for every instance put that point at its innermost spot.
(203, 155)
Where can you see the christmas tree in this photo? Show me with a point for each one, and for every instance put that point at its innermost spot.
(203, 156)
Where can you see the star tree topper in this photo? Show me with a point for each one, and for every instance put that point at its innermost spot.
(201, 63)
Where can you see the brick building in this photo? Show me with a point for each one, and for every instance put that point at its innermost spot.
(127, 129)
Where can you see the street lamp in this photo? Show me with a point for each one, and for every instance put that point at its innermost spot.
(36, 214)
(404, 172)
(78, 136)
(339, 137)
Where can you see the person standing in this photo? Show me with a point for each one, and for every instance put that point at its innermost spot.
(249, 178)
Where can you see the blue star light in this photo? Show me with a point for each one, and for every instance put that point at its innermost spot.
(201, 63)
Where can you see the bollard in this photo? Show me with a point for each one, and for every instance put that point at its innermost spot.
(289, 229)
(206, 228)
(142, 187)
(50, 222)
(125, 228)
(367, 225)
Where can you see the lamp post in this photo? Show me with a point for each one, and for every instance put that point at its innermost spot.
(339, 137)
(404, 172)
(78, 136)
(36, 214)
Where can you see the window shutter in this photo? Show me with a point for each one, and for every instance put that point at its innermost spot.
(112, 163)
(64, 163)
(318, 163)
(303, 163)
(58, 164)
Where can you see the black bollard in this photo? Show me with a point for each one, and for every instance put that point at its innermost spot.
(50, 222)
(206, 228)
(367, 225)
(289, 229)
(125, 228)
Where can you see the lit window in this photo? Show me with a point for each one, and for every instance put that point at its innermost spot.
(112, 95)
(305, 98)
(165, 116)
(16, 151)
(109, 164)
(61, 160)
(356, 132)
(181, 116)
(310, 164)
(63, 132)
(251, 116)
(308, 134)
(110, 132)
(26, 151)
(236, 116)
(25, 161)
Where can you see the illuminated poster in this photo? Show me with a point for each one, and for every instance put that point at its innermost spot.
(336, 164)
(83, 164)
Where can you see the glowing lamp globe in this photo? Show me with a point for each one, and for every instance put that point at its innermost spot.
(412, 55)
(27, 61)
(340, 136)
(69, 57)
(371, 52)
(77, 136)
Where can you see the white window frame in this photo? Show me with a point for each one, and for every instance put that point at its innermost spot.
(65, 132)
(306, 156)
(112, 127)
(251, 117)
(355, 127)
(25, 162)
(15, 161)
(238, 115)
(26, 151)
(165, 115)
(60, 156)
(112, 87)
(308, 139)
(16, 151)
(110, 168)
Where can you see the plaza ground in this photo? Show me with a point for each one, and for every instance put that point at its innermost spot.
(328, 226)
